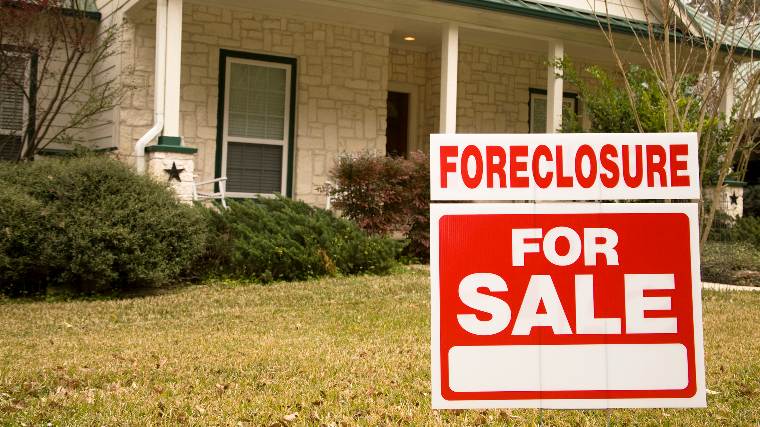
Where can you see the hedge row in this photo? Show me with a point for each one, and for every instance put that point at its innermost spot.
(88, 224)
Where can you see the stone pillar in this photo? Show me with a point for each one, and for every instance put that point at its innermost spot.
(173, 164)
(732, 199)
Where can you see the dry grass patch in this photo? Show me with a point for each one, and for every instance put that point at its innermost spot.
(334, 352)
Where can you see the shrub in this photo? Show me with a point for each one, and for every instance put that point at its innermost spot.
(281, 239)
(88, 224)
(747, 229)
(744, 229)
(752, 200)
(384, 196)
(732, 263)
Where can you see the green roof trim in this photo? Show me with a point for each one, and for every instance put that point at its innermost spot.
(732, 37)
(556, 13)
(71, 152)
(586, 18)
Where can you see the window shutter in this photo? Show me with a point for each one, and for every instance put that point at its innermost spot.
(12, 95)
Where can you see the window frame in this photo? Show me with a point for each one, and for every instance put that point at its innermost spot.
(226, 59)
(535, 93)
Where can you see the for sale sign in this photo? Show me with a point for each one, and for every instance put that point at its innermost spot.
(566, 306)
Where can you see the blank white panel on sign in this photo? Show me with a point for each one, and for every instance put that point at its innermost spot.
(568, 367)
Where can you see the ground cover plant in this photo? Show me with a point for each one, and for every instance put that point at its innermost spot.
(283, 239)
(337, 351)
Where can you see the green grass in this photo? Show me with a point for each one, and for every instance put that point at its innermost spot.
(334, 352)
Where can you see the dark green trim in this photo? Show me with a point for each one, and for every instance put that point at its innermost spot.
(223, 55)
(537, 91)
(734, 183)
(582, 18)
(70, 152)
(171, 141)
(555, 13)
(170, 149)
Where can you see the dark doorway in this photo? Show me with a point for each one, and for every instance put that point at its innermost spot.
(397, 128)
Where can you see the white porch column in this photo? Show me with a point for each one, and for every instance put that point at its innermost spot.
(449, 62)
(173, 67)
(554, 88)
(727, 101)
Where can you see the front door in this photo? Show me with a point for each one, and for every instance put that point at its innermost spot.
(397, 126)
(256, 134)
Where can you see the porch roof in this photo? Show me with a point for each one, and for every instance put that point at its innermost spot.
(743, 43)
(556, 13)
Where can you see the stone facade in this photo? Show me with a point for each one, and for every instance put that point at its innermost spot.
(341, 93)
(344, 74)
(493, 91)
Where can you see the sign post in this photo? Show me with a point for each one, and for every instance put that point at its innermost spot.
(565, 305)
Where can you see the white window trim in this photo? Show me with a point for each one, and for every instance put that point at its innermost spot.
(286, 132)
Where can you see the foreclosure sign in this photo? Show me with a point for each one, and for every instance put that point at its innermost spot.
(565, 305)
(564, 166)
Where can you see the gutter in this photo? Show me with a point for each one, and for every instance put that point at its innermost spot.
(159, 93)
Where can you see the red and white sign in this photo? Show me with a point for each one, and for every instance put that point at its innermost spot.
(566, 305)
(574, 166)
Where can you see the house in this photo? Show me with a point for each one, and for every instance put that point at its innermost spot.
(269, 92)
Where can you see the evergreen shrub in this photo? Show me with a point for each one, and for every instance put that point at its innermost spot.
(277, 238)
(89, 224)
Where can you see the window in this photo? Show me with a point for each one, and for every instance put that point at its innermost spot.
(537, 115)
(256, 136)
(14, 108)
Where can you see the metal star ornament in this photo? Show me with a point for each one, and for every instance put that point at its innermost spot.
(174, 172)
(734, 199)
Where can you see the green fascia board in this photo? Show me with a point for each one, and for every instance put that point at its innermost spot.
(69, 152)
(170, 149)
(734, 183)
(174, 141)
(568, 15)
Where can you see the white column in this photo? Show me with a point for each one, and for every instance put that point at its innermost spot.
(554, 89)
(449, 62)
(173, 67)
(727, 101)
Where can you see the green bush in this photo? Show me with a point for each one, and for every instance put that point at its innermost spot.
(747, 229)
(88, 224)
(385, 196)
(740, 230)
(281, 239)
(731, 263)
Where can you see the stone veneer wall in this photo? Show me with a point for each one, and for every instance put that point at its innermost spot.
(343, 75)
(342, 85)
(493, 90)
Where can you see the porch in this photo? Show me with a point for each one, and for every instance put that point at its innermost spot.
(270, 93)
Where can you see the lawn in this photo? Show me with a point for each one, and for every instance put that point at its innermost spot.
(334, 352)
